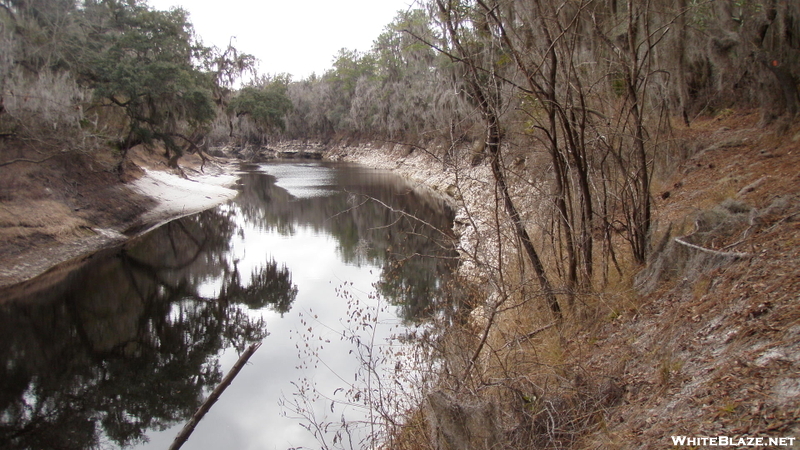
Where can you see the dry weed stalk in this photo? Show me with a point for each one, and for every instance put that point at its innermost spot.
(369, 407)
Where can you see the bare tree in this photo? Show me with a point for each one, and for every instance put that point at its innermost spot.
(484, 87)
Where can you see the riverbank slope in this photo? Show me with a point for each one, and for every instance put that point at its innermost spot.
(702, 341)
(63, 209)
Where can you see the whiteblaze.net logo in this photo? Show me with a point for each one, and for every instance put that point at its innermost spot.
(725, 441)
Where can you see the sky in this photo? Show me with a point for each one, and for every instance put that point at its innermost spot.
(299, 37)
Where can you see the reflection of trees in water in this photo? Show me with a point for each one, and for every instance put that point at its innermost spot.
(415, 256)
(270, 286)
(128, 342)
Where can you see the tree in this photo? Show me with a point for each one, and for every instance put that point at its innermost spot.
(400, 100)
(481, 65)
(226, 67)
(400, 89)
(349, 66)
(145, 64)
(265, 104)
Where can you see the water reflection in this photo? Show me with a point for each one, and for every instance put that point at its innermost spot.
(130, 342)
(127, 343)
(384, 224)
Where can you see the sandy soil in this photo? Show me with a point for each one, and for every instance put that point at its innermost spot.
(178, 197)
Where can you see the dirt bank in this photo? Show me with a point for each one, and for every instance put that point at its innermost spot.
(704, 341)
(71, 205)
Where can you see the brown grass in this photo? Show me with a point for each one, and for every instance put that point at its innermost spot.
(698, 354)
(712, 351)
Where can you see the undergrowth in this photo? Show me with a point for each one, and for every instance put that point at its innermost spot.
(632, 358)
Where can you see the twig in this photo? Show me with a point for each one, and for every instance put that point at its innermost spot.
(713, 252)
(410, 216)
(781, 221)
(33, 161)
(181, 438)
(528, 336)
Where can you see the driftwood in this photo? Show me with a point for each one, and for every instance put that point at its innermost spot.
(181, 438)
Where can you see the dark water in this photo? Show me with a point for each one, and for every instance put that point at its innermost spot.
(123, 349)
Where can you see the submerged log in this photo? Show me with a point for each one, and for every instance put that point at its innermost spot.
(181, 438)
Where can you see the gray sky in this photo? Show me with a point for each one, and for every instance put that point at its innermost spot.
(294, 36)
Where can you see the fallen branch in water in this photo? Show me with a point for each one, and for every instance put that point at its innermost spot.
(181, 438)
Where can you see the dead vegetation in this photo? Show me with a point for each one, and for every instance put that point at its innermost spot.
(703, 341)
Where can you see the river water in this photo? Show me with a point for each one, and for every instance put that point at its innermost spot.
(312, 259)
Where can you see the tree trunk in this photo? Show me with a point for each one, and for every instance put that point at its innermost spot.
(493, 147)
(483, 97)
(187, 430)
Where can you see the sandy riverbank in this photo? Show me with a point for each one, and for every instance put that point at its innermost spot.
(52, 235)
(177, 197)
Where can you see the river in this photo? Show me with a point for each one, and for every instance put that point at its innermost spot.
(320, 262)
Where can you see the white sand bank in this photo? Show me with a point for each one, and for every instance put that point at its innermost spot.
(178, 197)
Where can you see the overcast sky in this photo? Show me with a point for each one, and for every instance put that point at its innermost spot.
(297, 37)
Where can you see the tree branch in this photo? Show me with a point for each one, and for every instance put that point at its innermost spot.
(181, 438)
(736, 255)
(33, 161)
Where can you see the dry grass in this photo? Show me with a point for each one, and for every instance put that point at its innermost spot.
(46, 217)
(712, 349)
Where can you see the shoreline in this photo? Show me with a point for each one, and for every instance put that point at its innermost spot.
(168, 197)
(162, 196)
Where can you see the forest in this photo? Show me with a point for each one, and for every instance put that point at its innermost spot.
(594, 84)
(122, 71)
